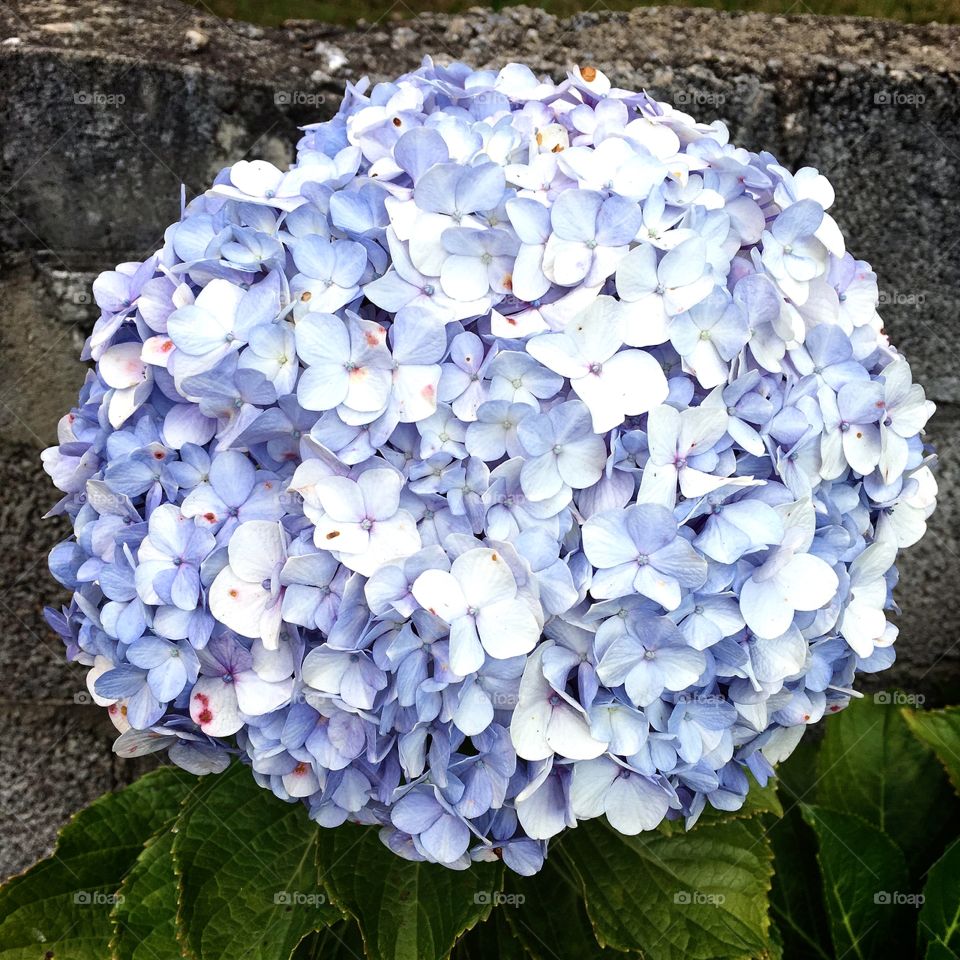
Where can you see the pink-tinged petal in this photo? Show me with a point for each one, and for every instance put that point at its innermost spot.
(301, 781)
(440, 593)
(238, 603)
(368, 388)
(340, 536)
(528, 280)
(121, 365)
(156, 350)
(484, 577)
(862, 447)
(213, 707)
(415, 392)
(519, 326)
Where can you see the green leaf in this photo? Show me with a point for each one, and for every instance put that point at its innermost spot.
(494, 937)
(939, 919)
(936, 951)
(871, 765)
(339, 941)
(547, 913)
(940, 730)
(796, 899)
(406, 910)
(61, 906)
(775, 951)
(246, 864)
(700, 895)
(145, 914)
(864, 880)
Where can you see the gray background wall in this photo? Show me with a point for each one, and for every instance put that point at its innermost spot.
(106, 108)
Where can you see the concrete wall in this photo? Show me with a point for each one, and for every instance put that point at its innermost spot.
(106, 108)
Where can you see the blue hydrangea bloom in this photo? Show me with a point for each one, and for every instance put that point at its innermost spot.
(525, 453)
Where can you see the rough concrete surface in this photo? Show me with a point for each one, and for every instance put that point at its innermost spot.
(106, 108)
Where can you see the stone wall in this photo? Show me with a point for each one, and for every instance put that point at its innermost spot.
(106, 108)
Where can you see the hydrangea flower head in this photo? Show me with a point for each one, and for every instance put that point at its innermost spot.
(525, 453)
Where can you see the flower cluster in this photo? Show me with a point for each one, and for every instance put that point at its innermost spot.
(524, 453)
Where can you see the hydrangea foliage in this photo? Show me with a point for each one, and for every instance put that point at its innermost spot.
(525, 453)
